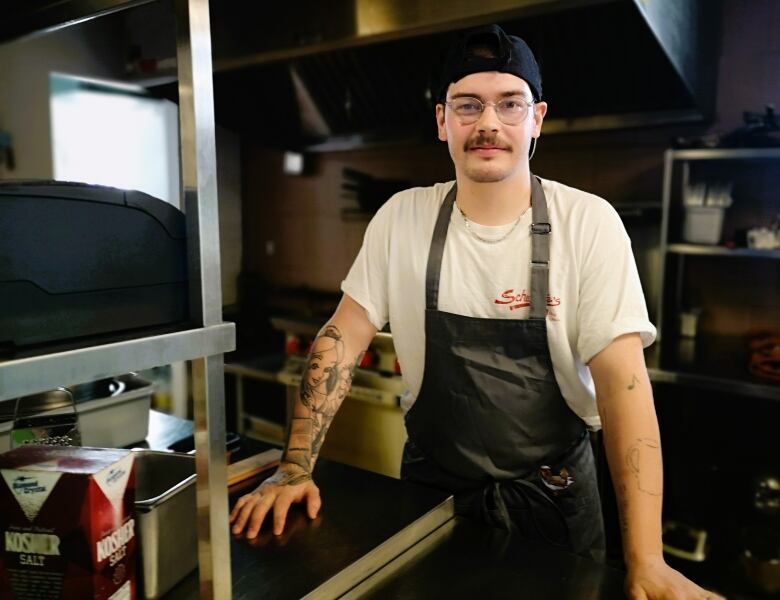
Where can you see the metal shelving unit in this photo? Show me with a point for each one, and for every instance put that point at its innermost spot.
(203, 345)
(709, 372)
(721, 251)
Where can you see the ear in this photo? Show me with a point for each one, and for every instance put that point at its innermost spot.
(540, 110)
(440, 122)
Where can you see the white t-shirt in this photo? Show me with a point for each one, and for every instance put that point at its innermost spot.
(594, 290)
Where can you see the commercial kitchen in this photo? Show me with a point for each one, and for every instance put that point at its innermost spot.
(185, 185)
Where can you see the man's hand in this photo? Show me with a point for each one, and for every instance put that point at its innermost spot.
(290, 484)
(653, 579)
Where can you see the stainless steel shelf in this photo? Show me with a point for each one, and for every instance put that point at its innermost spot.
(722, 251)
(726, 154)
(35, 374)
(205, 346)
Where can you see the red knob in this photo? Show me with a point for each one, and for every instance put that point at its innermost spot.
(292, 345)
(368, 360)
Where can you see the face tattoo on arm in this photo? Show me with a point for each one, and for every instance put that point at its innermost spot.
(324, 385)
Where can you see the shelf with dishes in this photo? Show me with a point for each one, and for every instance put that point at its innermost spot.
(718, 206)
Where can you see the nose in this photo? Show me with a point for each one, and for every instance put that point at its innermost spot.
(488, 120)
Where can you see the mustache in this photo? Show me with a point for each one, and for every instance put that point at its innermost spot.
(486, 140)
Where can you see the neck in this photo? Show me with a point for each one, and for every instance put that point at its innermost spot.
(495, 203)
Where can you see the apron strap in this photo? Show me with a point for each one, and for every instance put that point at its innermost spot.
(436, 252)
(540, 250)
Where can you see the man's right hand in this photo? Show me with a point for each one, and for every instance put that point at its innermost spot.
(290, 484)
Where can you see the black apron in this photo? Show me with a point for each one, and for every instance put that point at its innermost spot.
(490, 424)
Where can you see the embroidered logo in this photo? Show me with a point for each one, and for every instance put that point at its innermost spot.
(522, 299)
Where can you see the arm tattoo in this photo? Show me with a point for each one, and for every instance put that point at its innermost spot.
(633, 383)
(324, 385)
(641, 454)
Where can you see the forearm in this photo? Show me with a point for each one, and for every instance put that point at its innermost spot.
(327, 377)
(632, 442)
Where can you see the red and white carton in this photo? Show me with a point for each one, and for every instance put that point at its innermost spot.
(66, 521)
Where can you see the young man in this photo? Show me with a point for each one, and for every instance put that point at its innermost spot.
(519, 319)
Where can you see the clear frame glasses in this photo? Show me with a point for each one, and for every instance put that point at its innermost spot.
(510, 111)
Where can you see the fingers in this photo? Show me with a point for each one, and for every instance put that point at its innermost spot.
(243, 510)
(313, 503)
(261, 508)
(281, 507)
(237, 508)
(250, 510)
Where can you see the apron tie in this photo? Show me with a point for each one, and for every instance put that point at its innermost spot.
(522, 494)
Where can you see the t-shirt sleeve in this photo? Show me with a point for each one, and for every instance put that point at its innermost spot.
(611, 302)
(367, 280)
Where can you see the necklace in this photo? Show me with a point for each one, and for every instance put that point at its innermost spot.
(479, 237)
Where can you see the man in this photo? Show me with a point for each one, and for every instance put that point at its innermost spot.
(496, 310)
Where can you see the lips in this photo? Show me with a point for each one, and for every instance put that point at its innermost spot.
(487, 150)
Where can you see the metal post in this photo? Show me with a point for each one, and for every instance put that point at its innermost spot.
(199, 192)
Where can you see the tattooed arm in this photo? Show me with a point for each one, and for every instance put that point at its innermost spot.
(335, 353)
(633, 445)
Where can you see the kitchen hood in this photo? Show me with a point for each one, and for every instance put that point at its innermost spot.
(317, 75)
(347, 73)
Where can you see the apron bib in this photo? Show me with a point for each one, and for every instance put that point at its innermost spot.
(490, 424)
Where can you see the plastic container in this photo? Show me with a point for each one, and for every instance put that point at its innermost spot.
(703, 224)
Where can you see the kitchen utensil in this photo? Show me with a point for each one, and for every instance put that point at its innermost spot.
(46, 419)
(118, 419)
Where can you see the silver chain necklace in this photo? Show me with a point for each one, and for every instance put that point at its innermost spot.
(479, 237)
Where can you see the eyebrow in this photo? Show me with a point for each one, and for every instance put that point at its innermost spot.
(478, 97)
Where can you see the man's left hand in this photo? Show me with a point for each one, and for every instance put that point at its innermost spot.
(653, 579)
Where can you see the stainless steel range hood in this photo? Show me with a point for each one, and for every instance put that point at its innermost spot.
(344, 73)
(352, 72)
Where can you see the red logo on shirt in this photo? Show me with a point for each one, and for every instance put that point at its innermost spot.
(523, 300)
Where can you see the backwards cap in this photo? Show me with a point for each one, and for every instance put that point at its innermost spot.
(489, 48)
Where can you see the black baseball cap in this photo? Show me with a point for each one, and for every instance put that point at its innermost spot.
(489, 48)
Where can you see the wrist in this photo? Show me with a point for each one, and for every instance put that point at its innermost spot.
(637, 560)
(292, 467)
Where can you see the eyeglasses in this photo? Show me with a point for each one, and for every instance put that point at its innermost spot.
(510, 111)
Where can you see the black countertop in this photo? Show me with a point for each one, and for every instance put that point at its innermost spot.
(463, 559)
(362, 546)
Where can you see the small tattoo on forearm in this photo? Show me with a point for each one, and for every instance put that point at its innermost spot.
(633, 383)
(644, 454)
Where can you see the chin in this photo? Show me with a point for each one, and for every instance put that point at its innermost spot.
(484, 175)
